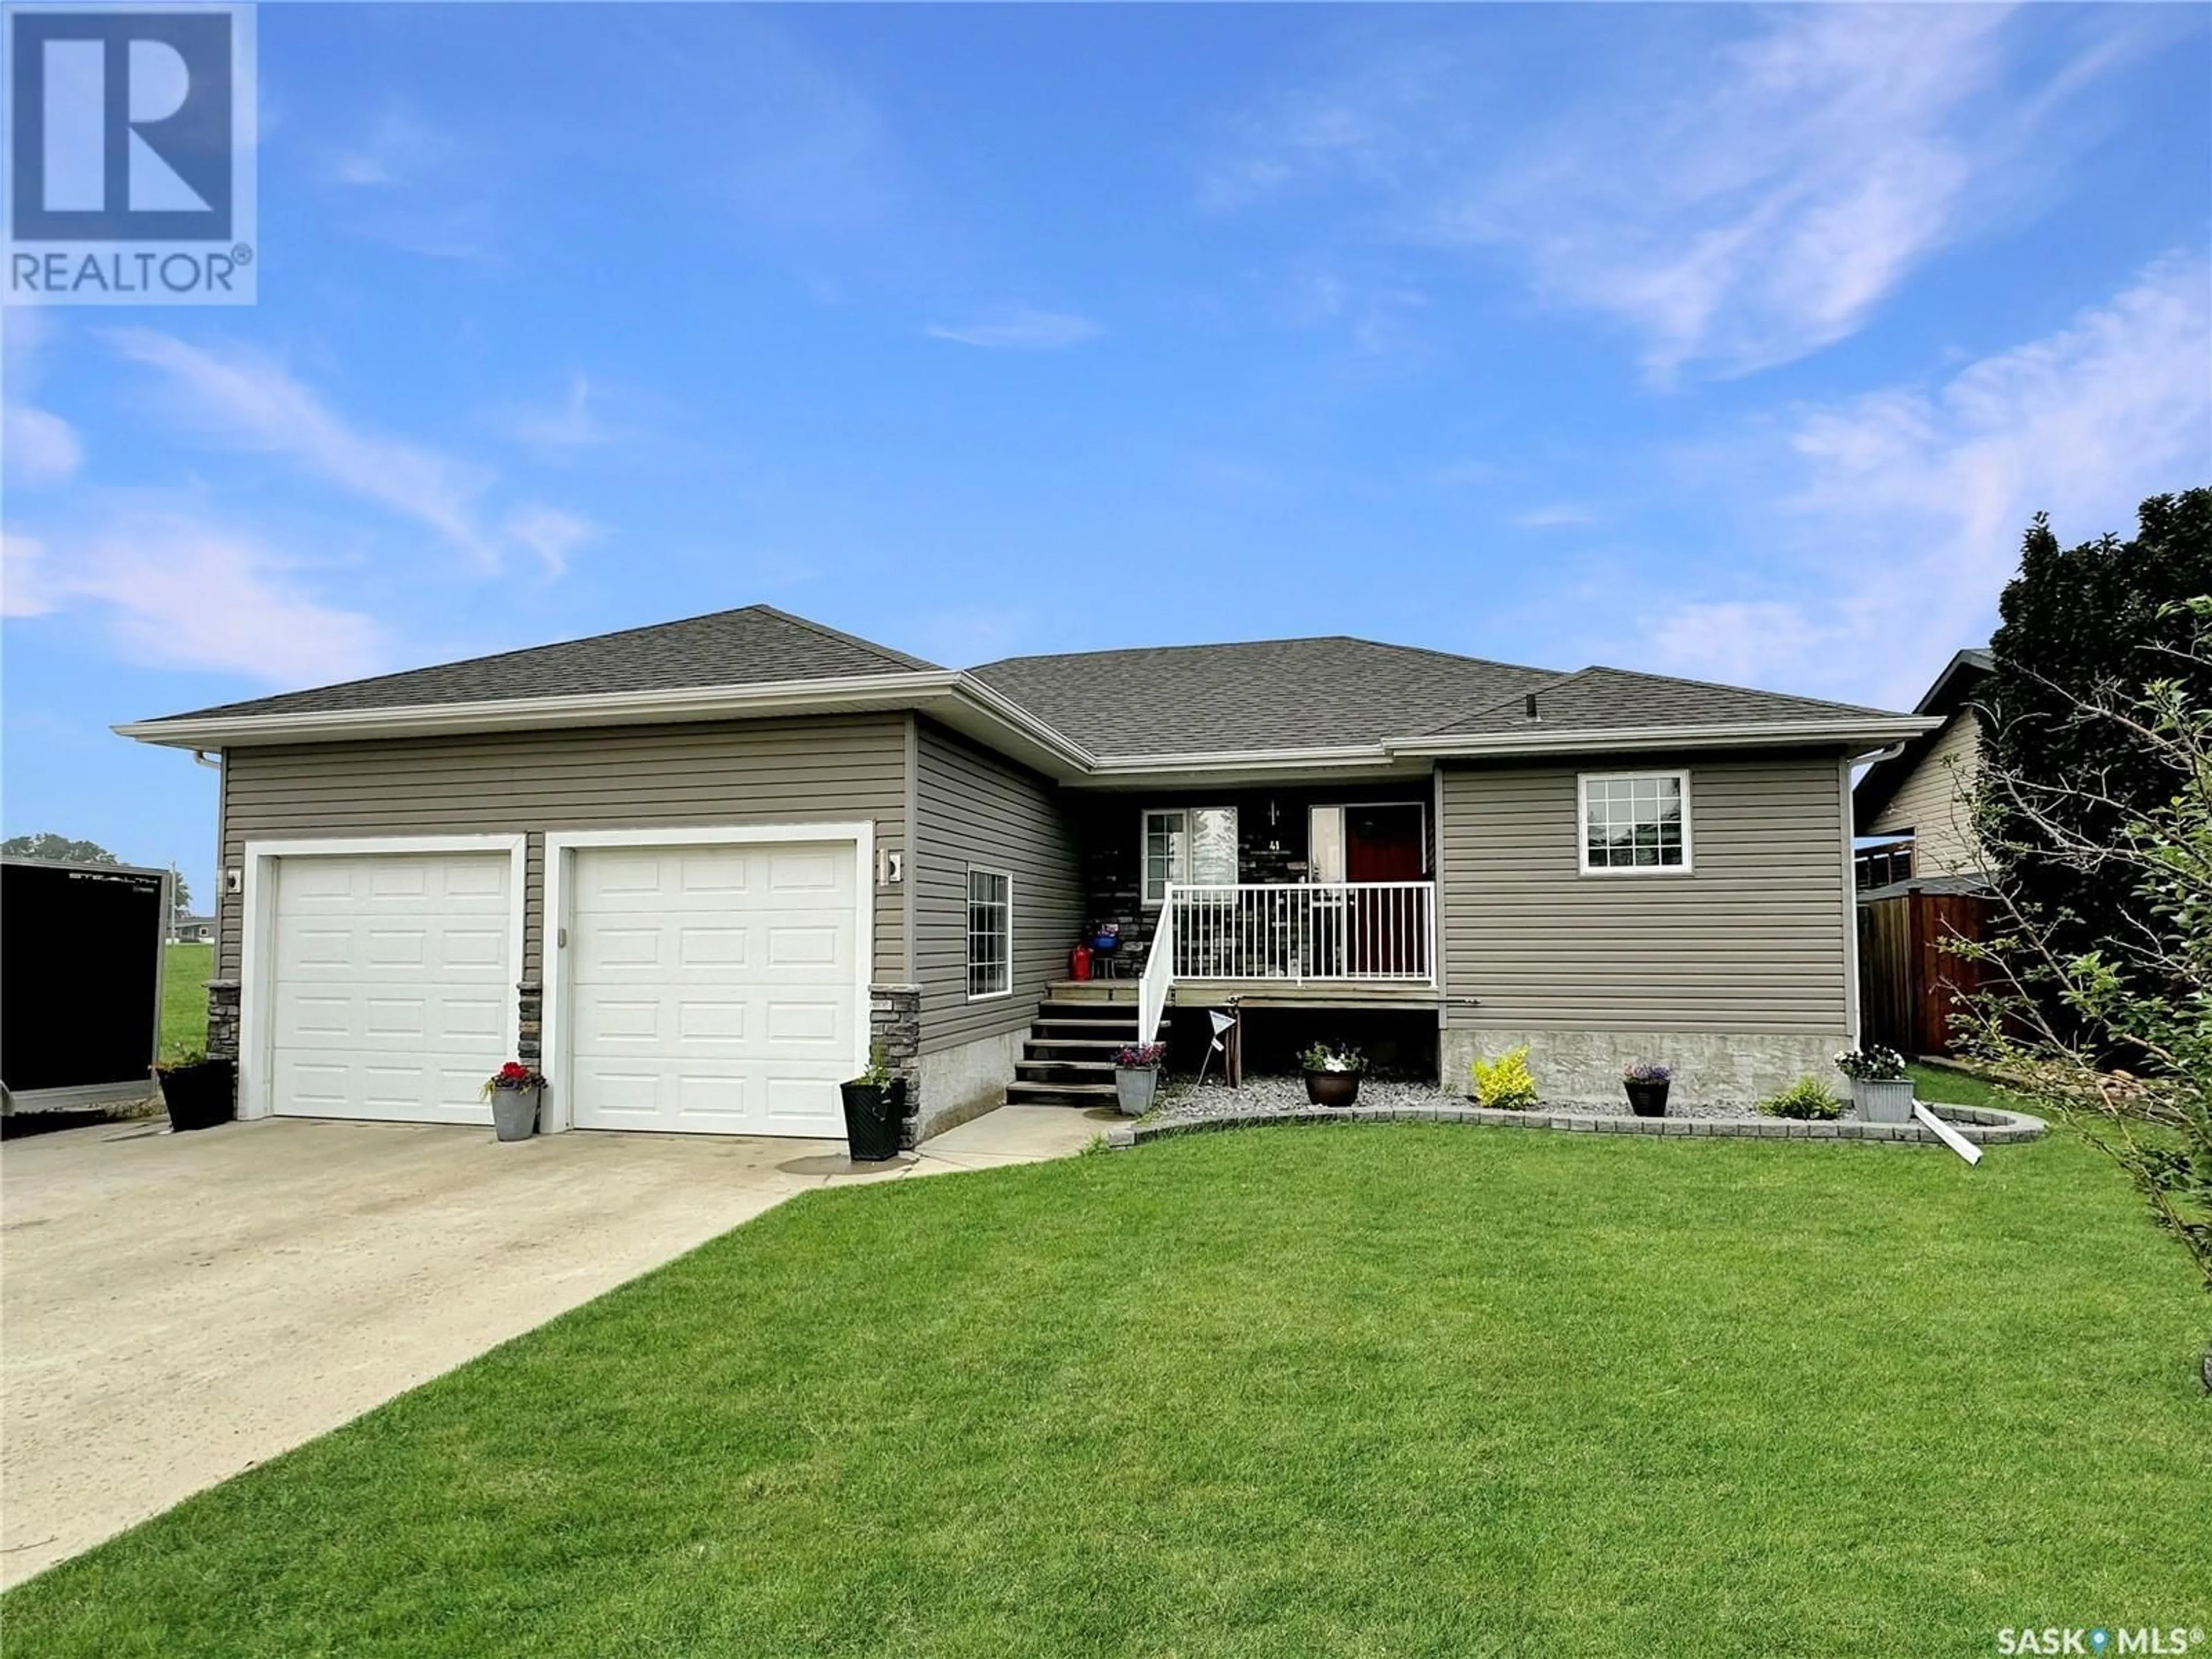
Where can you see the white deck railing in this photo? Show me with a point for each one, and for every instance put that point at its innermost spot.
(1314, 932)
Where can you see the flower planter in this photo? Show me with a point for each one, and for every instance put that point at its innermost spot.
(1646, 1099)
(201, 1094)
(514, 1113)
(1332, 1088)
(1882, 1100)
(1133, 1087)
(873, 1112)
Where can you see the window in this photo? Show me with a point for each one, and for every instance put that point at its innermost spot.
(1635, 822)
(990, 933)
(1190, 846)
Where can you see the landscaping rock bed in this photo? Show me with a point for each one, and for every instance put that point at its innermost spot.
(1185, 1110)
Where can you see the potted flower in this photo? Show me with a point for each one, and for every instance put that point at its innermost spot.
(199, 1092)
(1332, 1074)
(1137, 1077)
(515, 1090)
(875, 1106)
(1646, 1081)
(1881, 1088)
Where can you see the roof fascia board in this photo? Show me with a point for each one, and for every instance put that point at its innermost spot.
(1761, 735)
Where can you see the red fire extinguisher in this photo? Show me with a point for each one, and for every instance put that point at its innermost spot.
(1078, 963)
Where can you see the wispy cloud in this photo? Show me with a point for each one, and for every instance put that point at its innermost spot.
(39, 446)
(1904, 519)
(549, 534)
(1733, 207)
(1019, 330)
(248, 402)
(415, 186)
(175, 591)
(570, 424)
(1560, 515)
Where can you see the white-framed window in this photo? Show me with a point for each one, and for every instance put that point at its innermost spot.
(1190, 846)
(990, 933)
(1635, 823)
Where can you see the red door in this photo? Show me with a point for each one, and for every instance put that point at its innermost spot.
(1389, 932)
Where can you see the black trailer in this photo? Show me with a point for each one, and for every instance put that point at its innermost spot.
(80, 983)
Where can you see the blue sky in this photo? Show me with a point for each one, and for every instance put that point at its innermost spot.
(1734, 342)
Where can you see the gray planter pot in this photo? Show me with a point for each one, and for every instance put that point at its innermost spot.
(514, 1113)
(1135, 1087)
(1882, 1102)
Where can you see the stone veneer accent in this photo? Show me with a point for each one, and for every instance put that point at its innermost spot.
(895, 1021)
(222, 1019)
(530, 1007)
(1982, 1126)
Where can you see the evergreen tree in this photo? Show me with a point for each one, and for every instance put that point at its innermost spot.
(2085, 628)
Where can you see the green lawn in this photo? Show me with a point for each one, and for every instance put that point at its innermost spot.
(1350, 1390)
(1940, 1083)
(184, 971)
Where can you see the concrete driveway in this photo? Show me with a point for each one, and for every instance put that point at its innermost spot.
(179, 1307)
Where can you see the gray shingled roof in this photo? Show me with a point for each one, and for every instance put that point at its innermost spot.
(1272, 694)
(757, 645)
(1326, 693)
(1604, 698)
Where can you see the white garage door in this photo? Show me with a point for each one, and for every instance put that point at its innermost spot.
(391, 984)
(713, 988)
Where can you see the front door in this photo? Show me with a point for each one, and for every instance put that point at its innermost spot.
(1388, 927)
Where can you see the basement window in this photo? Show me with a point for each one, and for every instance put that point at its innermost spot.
(990, 933)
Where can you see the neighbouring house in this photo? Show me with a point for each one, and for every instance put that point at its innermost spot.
(1911, 807)
(694, 869)
(191, 930)
(1921, 880)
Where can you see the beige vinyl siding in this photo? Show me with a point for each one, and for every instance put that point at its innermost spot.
(1752, 941)
(1931, 802)
(974, 807)
(794, 771)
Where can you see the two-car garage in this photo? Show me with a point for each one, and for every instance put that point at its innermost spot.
(707, 980)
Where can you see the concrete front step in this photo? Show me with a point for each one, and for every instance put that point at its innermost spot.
(1033, 1071)
(1094, 990)
(1108, 1046)
(1094, 1030)
(1080, 1092)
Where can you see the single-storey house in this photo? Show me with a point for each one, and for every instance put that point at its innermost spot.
(695, 869)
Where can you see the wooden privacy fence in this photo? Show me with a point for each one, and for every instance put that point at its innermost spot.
(1910, 985)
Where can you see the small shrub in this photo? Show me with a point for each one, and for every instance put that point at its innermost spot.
(1506, 1083)
(1808, 1098)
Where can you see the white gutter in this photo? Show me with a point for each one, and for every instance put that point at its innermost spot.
(1766, 734)
(965, 704)
(968, 705)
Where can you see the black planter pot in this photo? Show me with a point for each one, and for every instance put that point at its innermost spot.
(201, 1096)
(1646, 1099)
(1332, 1088)
(873, 1112)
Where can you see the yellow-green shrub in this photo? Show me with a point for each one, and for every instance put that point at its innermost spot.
(1505, 1082)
